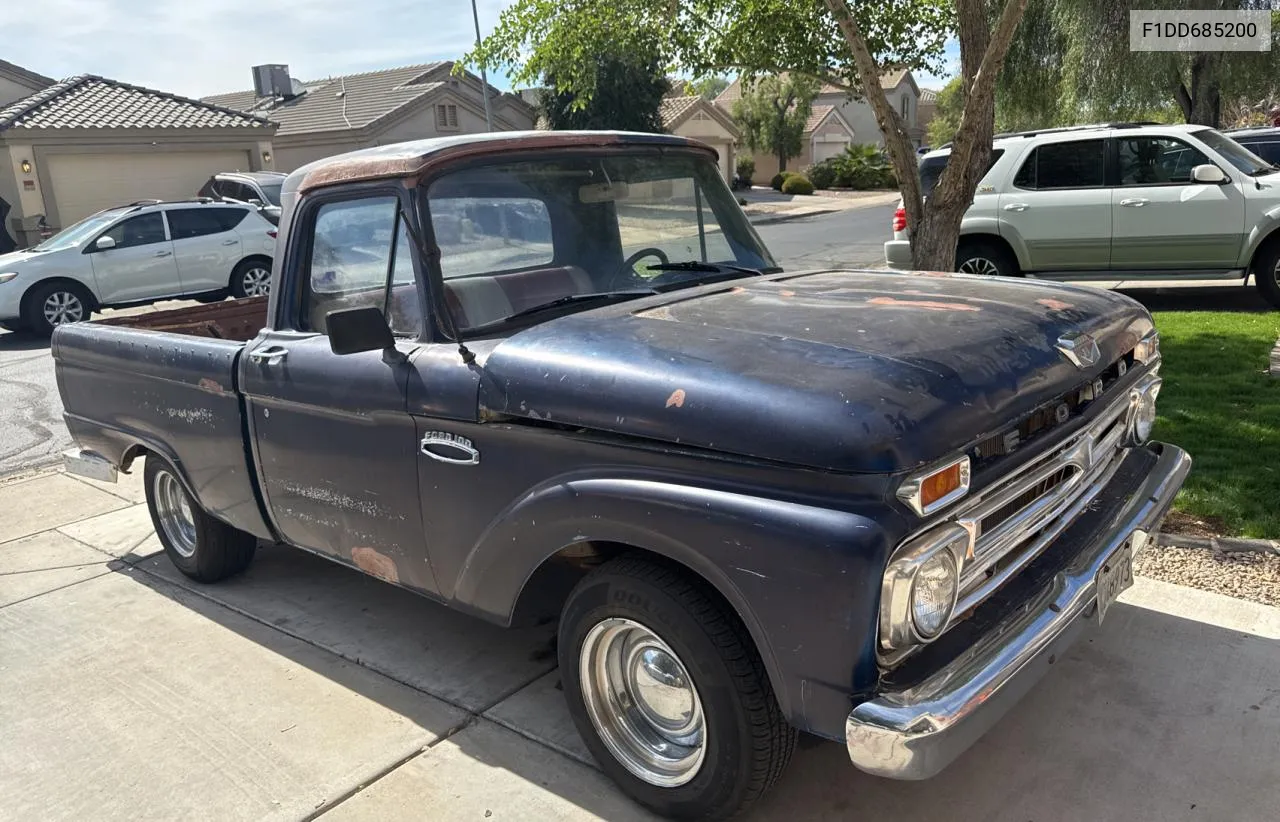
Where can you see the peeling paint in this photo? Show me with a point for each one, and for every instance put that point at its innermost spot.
(1056, 305)
(338, 500)
(676, 398)
(212, 385)
(928, 305)
(375, 564)
(192, 416)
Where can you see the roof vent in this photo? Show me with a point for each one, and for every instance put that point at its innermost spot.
(273, 81)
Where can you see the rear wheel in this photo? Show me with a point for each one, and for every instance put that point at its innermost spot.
(203, 548)
(985, 258)
(251, 278)
(669, 693)
(53, 304)
(12, 325)
(1266, 273)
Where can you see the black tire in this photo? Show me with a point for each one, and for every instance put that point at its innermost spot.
(211, 297)
(239, 285)
(747, 742)
(12, 325)
(212, 550)
(986, 258)
(1266, 278)
(76, 298)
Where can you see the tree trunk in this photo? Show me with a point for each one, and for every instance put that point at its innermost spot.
(1201, 101)
(782, 160)
(935, 227)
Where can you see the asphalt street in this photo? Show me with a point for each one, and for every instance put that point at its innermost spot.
(32, 434)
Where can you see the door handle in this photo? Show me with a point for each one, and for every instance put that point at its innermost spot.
(1016, 207)
(163, 253)
(231, 242)
(1134, 202)
(271, 355)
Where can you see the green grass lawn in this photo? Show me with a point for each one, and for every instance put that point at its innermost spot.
(1219, 403)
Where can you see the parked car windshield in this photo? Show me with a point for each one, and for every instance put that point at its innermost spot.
(271, 192)
(516, 235)
(1239, 156)
(78, 233)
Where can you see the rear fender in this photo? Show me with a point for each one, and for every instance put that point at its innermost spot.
(804, 580)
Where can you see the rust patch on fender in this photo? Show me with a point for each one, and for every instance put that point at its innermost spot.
(212, 385)
(928, 305)
(676, 398)
(1056, 305)
(375, 564)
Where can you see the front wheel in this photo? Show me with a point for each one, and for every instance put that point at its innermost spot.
(669, 693)
(203, 548)
(1266, 274)
(53, 304)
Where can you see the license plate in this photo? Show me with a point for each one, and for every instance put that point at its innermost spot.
(1114, 577)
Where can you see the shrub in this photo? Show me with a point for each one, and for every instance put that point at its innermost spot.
(778, 180)
(797, 184)
(862, 166)
(822, 175)
(746, 167)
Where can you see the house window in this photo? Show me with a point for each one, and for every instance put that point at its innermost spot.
(906, 106)
(446, 117)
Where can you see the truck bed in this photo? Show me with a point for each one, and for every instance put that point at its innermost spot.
(166, 383)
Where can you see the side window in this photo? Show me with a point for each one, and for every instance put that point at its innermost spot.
(229, 218)
(1268, 150)
(141, 230)
(931, 170)
(185, 223)
(356, 246)
(485, 235)
(1063, 165)
(1146, 161)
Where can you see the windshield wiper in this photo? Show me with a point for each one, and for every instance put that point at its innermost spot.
(601, 297)
(712, 268)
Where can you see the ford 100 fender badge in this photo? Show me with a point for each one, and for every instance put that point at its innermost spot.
(450, 448)
(1081, 349)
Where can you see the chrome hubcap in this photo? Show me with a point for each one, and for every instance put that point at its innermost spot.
(642, 702)
(63, 307)
(257, 282)
(979, 265)
(174, 512)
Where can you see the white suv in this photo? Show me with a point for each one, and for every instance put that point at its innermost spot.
(137, 254)
(1116, 202)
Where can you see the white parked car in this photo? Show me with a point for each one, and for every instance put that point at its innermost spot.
(134, 255)
(1116, 202)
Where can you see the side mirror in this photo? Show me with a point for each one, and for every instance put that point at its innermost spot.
(353, 330)
(254, 201)
(1208, 174)
(104, 242)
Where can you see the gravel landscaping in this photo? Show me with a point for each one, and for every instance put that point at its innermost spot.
(1251, 576)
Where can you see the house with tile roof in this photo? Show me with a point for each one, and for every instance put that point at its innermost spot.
(17, 82)
(321, 118)
(840, 119)
(695, 117)
(88, 143)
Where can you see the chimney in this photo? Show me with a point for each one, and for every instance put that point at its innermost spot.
(272, 81)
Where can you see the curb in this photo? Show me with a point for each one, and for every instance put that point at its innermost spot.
(782, 218)
(1220, 545)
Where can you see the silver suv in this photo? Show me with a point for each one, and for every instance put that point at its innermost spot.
(1116, 202)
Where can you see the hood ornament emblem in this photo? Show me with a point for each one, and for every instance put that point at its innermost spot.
(1081, 349)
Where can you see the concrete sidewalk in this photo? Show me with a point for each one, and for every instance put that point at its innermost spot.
(304, 689)
(767, 206)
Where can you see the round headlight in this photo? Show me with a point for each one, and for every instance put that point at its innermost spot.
(933, 594)
(1144, 412)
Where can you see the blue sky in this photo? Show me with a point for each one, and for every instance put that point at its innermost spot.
(200, 47)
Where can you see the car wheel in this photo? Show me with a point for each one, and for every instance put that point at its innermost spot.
(668, 691)
(1266, 273)
(251, 278)
(211, 297)
(203, 548)
(53, 304)
(12, 326)
(986, 259)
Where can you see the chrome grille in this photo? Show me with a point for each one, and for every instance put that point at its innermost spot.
(1014, 522)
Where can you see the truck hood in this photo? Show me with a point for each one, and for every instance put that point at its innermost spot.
(851, 371)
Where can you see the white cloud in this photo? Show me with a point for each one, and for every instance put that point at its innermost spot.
(200, 47)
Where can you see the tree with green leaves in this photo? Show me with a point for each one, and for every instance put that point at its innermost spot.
(772, 113)
(626, 94)
(1071, 62)
(836, 42)
(708, 88)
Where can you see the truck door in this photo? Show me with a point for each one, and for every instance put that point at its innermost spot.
(336, 449)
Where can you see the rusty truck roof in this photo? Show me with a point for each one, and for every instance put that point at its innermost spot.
(414, 158)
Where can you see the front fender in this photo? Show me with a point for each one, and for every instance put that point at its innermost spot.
(804, 580)
(1262, 229)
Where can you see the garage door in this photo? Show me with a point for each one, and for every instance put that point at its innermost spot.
(85, 183)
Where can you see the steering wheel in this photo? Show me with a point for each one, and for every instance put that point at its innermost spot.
(627, 270)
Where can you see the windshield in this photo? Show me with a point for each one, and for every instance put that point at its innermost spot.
(1234, 153)
(517, 235)
(78, 233)
(271, 192)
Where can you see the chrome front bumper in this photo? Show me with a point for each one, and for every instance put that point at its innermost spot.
(914, 734)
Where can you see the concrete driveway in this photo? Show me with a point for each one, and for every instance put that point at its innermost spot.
(304, 689)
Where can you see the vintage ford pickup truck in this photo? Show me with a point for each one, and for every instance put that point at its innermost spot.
(557, 376)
